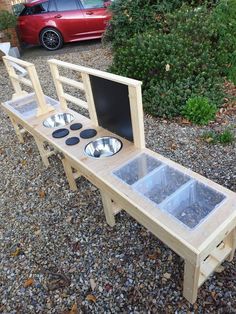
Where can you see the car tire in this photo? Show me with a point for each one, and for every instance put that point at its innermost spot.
(51, 38)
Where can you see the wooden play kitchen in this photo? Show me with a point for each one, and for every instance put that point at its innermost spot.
(194, 216)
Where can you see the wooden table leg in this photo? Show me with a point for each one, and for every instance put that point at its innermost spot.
(108, 209)
(231, 241)
(69, 174)
(17, 130)
(42, 151)
(191, 280)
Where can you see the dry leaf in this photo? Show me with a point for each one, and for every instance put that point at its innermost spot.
(16, 253)
(219, 269)
(91, 298)
(167, 275)
(23, 162)
(213, 295)
(37, 232)
(185, 121)
(69, 219)
(74, 309)
(209, 139)
(152, 256)
(170, 258)
(42, 194)
(93, 284)
(29, 282)
(173, 146)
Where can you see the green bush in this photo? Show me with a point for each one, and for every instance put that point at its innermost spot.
(232, 75)
(199, 110)
(7, 20)
(138, 16)
(164, 99)
(185, 58)
(223, 18)
(224, 137)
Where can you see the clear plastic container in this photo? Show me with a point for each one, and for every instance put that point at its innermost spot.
(170, 190)
(137, 168)
(27, 106)
(192, 203)
(161, 183)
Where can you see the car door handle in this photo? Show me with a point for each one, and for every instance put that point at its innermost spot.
(89, 13)
(58, 16)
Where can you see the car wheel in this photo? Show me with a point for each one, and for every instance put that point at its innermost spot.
(51, 39)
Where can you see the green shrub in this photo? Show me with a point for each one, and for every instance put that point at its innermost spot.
(166, 99)
(138, 16)
(7, 20)
(232, 74)
(223, 18)
(224, 137)
(199, 110)
(183, 51)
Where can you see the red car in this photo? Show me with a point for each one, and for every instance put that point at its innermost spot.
(54, 22)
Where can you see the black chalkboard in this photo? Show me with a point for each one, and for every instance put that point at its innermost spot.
(112, 106)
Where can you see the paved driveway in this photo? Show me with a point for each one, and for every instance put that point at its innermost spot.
(38, 51)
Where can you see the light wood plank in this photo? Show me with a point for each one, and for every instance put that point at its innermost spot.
(98, 73)
(67, 81)
(107, 206)
(76, 101)
(69, 174)
(191, 279)
(90, 99)
(136, 108)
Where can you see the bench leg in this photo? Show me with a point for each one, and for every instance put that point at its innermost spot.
(17, 130)
(191, 280)
(43, 152)
(108, 209)
(69, 174)
(231, 241)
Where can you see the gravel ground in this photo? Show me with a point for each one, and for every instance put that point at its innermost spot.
(56, 249)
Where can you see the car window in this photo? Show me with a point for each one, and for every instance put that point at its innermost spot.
(92, 4)
(36, 9)
(52, 6)
(67, 5)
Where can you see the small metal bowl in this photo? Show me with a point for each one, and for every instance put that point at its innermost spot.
(103, 147)
(59, 119)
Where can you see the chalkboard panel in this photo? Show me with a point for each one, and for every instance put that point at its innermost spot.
(112, 106)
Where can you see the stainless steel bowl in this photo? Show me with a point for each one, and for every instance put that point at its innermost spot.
(103, 147)
(59, 119)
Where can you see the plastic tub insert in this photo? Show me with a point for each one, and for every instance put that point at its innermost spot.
(137, 168)
(161, 183)
(192, 203)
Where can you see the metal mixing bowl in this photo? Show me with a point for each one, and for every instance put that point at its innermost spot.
(103, 147)
(59, 119)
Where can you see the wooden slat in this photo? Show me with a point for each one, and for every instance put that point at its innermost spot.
(136, 108)
(18, 61)
(21, 80)
(106, 75)
(71, 82)
(212, 262)
(76, 101)
(90, 100)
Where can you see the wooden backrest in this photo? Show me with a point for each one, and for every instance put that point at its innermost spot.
(33, 82)
(95, 84)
